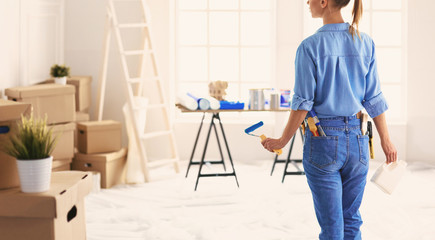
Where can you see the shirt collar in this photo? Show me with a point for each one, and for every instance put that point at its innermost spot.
(334, 27)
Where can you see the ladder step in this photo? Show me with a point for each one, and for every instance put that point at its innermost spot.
(137, 52)
(132, 25)
(160, 162)
(139, 79)
(155, 134)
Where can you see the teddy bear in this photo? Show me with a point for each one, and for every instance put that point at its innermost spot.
(217, 89)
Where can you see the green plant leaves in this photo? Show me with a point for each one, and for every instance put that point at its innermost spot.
(32, 141)
(59, 71)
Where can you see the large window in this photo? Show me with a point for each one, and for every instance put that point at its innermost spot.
(228, 40)
(385, 22)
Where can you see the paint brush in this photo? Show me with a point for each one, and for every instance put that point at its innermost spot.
(262, 137)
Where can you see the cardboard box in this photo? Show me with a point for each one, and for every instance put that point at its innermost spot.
(110, 165)
(99, 136)
(61, 165)
(65, 142)
(83, 91)
(80, 117)
(54, 215)
(10, 113)
(55, 100)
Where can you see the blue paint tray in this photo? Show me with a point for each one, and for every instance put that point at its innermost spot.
(232, 105)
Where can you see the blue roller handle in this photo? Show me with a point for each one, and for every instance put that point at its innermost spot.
(253, 127)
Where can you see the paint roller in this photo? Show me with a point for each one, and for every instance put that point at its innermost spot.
(203, 103)
(262, 137)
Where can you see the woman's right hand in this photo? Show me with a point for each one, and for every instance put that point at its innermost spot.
(389, 150)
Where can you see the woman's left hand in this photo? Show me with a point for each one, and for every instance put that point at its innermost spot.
(271, 144)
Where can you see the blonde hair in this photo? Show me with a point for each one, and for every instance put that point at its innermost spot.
(357, 13)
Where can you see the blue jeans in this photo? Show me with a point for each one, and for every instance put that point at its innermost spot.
(336, 167)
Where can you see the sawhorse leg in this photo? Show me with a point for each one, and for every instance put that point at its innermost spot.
(289, 160)
(191, 162)
(201, 163)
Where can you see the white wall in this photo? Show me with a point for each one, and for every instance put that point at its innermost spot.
(83, 49)
(421, 80)
(9, 43)
(85, 24)
(31, 42)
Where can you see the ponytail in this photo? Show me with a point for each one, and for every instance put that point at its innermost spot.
(357, 12)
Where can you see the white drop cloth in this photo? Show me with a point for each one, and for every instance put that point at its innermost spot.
(261, 209)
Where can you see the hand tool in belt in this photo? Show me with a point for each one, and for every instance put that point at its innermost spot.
(370, 132)
(317, 123)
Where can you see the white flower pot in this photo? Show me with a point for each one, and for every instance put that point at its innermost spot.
(35, 175)
(60, 80)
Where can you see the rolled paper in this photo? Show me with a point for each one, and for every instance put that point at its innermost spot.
(203, 103)
(214, 103)
(187, 102)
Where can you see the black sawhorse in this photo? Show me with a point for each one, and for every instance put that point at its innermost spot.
(289, 160)
(201, 163)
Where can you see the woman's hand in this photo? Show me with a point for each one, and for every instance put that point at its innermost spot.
(390, 151)
(386, 144)
(271, 144)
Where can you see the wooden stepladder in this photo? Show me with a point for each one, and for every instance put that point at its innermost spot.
(135, 85)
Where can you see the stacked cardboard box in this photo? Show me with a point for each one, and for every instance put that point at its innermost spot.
(82, 85)
(57, 102)
(10, 114)
(99, 149)
(56, 214)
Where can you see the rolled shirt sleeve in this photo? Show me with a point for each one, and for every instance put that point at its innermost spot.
(305, 80)
(374, 101)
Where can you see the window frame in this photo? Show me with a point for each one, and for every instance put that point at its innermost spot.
(176, 46)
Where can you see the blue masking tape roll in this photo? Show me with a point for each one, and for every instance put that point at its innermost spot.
(4, 129)
(253, 127)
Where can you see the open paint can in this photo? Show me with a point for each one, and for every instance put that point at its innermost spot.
(256, 99)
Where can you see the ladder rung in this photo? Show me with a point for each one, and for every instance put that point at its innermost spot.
(137, 52)
(132, 25)
(155, 134)
(160, 162)
(139, 79)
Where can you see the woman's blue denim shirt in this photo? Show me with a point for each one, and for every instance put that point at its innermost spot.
(336, 74)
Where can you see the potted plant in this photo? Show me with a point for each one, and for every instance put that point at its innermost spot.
(59, 72)
(32, 145)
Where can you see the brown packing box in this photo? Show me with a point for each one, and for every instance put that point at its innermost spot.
(83, 91)
(10, 113)
(80, 117)
(61, 165)
(110, 165)
(99, 136)
(55, 100)
(54, 215)
(65, 142)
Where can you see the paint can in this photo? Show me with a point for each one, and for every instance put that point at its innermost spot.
(285, 98)
(256, 99)
(275, 101)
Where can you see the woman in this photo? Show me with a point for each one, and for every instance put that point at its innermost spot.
(336, 76)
